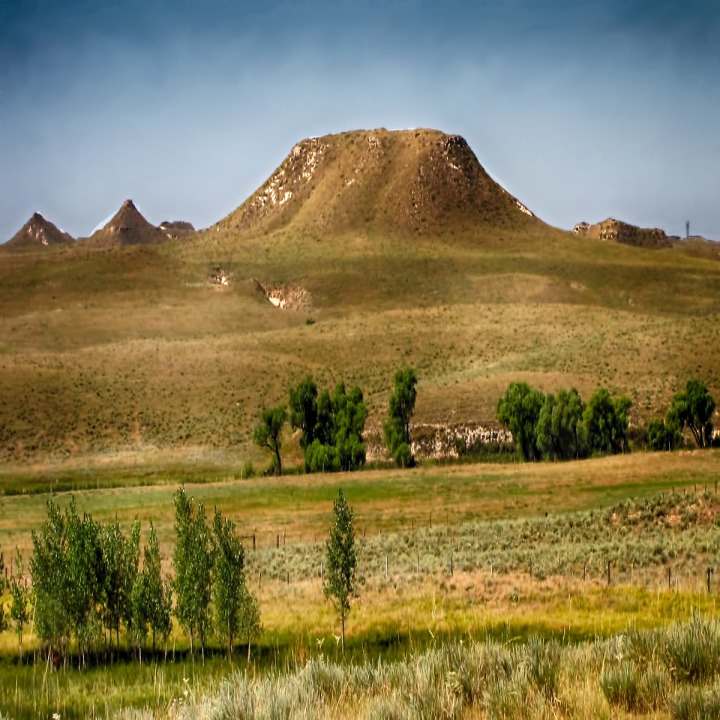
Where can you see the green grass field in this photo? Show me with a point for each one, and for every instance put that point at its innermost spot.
(487, 553)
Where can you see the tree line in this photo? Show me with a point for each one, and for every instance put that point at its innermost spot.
(561, 426)
(332, 425)
(89, 586)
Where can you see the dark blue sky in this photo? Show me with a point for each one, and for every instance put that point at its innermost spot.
(583, 109)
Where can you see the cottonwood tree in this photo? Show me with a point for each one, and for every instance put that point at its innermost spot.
(193, 565)
(230, 590)
(338, 443)
(339, 582)
(268, 432)
(663, 434)
(605, 422)
(304, 411)
(694, 408)
(400, 411)
(558, 429)
(519, 410)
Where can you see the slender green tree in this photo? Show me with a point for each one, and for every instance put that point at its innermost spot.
(3, 619)
(339, 582)
(268, 434)
(400, 411)
(50, 582)
(693, 408)
(157, 592)
(249, 617)
(139, 613)
(228, 580)
(519, 410)
(19, 611)
(85, 570)
(121, 556)
(193, 567)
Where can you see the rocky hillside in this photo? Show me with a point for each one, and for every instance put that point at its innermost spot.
(416, 181)
(37, 233)
(127, 227)
(624, 233)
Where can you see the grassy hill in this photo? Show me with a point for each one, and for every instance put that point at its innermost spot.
(403, 250)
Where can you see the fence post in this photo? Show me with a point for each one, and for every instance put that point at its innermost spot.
(386, 566)
(709, 573)
(277, 541)
(584, 570)
(669, 578)
(609, 577)
(253, 541)
(452, 567)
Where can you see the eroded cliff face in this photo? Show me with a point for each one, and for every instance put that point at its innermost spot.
(624, 233)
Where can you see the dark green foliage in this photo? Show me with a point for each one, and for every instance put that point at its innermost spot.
(332, 426)
(694, 408)
(339, 582)
(267, 433)
(663, 435)
(519, 410)
(230, 589)
(558, 428)
(605, 422)
(349, 415)
(193, 564)
(400, 412)
(304, 410)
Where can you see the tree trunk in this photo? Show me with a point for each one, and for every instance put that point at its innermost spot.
(342, 622)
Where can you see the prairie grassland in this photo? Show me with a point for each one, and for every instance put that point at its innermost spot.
(450, 601)
(134, 348)
(131, 486)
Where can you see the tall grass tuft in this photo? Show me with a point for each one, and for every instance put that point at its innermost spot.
(693, 703)
(692, 649)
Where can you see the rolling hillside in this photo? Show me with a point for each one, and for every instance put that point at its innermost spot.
(400, 248)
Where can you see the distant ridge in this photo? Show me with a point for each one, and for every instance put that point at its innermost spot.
(176, 228)
(127, 227)
(624, 233)
(36, 234)
(416, 181)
